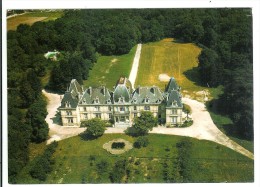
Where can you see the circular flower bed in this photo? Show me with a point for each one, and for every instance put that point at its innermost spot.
(118, 146)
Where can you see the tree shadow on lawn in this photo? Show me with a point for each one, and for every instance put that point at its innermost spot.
(194, 76)
(130, 131)
(214, 108)
(87, 137)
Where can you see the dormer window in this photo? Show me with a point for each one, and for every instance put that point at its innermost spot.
(174, 103)
(96, 100)
(67, 104)
(134, 100)
(147, 108)
(121, 99)
(108, 101)
(84, 101)
(146, 100)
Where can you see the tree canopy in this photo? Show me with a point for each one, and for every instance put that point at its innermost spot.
(144, 123)
(95, 127)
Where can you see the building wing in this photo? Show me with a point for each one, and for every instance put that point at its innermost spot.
(172, 85)
(148, 95)
(173, 99)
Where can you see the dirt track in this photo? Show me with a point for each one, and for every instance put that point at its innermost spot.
(135, 65)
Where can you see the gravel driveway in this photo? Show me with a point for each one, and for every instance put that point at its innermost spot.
(202, 128)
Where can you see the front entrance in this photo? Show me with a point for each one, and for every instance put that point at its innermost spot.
(122, 121)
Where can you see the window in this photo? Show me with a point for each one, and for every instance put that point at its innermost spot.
(121, 99)
(110, 108)
(67, 104)
(146, 100)
(69, 113)
(174, 103)
(122, 118)
(98, 115)
(97, 108)
(96, 100)
(121, 109)
(135, 114)
(70, 120)
(174, 111)
(146, 108)
(85, 116)
(135, 108)
(110, 116)
(174, 120)
(85, 108)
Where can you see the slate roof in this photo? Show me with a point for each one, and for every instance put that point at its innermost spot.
(122, 90)
(75, 88)
(153, 94)
(68, 97)
(173, 96)
(91, 94)
(172, 85)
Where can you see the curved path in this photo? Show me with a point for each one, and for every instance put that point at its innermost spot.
(203, 128)
(57, 132)
(135, 65)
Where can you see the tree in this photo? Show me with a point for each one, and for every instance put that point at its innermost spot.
(95, 127)
(36, 115)
(144, 123)
(184, 149)
(208, 67)
(42, 164)
(141, 142)
(119, 171)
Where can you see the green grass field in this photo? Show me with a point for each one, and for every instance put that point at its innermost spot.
(108, 69)
(211, 162)
(178, 60)
(32, 17)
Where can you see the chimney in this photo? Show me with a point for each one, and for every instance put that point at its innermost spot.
(103, 90)
(167, 96)
(138, 90)
(90, 91)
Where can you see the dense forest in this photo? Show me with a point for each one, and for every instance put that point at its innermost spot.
(225, 36)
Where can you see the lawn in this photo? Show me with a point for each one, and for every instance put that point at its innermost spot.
(178, 60)
(108, 69)
(76, 161)
(32, 17)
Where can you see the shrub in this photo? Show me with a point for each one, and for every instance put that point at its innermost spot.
(118, 145)
(95, 127)
(141, 142)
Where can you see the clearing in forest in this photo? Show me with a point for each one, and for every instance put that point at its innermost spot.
(31, 18)
(169, 58)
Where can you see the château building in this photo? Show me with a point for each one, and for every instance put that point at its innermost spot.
(121, 105)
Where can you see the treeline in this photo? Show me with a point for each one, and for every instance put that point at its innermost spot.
(42, 165)
(226, 59)
(225, 36)
(179, 169)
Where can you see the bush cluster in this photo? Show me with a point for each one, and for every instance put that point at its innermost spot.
(141, 141)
